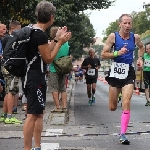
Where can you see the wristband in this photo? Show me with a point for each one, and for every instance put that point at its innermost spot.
(115, 53)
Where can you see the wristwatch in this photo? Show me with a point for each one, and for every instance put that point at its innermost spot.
(55, 41)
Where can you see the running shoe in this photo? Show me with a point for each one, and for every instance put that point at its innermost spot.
(147, 103)
(36, 149)
(123, 139)
(90, 102)
(12, 120)
(93, 99)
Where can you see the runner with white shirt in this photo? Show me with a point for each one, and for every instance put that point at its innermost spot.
(122, 74)
(91, 65)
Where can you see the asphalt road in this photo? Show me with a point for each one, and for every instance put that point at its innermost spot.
(94, 127)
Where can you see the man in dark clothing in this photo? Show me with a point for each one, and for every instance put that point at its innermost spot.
(91, 65)
(10, 89)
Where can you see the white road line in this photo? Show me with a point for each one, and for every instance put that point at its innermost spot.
(49, 146)
(51, 132)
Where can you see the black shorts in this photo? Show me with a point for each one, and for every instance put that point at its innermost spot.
(91, 80)
(146, 76)
(119, 83)
(35, 92)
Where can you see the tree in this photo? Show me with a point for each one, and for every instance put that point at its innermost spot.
(21, 10)
(113, 26)
(98, 48)
(69, 13)
(141, 22)
(83, 34)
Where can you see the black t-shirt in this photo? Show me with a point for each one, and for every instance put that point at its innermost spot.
(35, 77)
(91, 73)
(38, 37)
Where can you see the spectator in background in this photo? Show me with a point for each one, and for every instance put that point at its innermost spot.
(76, 71)
(57, 82)
(11, 86)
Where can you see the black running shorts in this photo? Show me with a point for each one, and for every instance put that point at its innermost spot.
(146, 76)
(35, 92)
(91, 80)
(119, 83)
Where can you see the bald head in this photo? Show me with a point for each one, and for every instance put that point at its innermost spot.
(2, 30)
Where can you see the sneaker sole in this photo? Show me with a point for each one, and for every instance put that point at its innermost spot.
(126, 142)
(8, 122)
(12, 123)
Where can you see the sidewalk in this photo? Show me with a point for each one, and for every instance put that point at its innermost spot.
(50, 118)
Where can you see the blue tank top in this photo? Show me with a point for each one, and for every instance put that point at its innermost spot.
(130, 45)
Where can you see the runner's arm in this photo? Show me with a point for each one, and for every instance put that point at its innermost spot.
(106, 54)
(140, 46)
(83, 65)
(140, 51)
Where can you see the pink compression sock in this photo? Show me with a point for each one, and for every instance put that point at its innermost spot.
(125, 117)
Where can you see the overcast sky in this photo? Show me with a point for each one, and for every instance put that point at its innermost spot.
(101, 19)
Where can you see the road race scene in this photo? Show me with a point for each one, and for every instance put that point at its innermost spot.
(75, 75)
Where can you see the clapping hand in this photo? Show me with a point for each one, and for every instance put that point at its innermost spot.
(62, 35)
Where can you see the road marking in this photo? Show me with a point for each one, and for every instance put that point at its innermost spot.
(50, 132)
(49, 146)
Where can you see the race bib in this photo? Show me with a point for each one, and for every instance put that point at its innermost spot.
(147, 63)
(91, 72)
(119, 70)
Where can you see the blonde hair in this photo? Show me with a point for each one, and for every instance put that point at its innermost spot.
(53, 31)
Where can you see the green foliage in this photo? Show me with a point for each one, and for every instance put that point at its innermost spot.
(21, 10)
(113, 26)
(98, 48)
(140, 22)
(69, 13)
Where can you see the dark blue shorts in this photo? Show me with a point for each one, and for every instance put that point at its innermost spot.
(81, 75)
